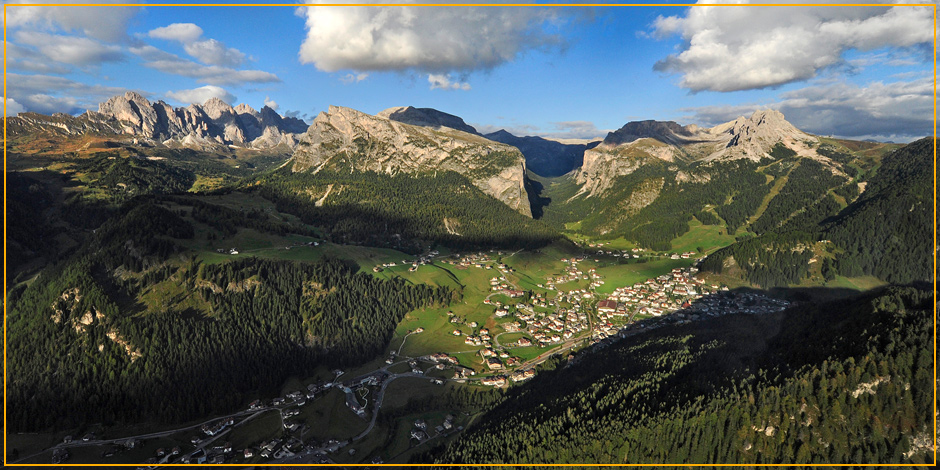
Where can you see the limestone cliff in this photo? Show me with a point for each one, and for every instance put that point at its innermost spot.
(343, 139)
(212, 124)
(642, 142)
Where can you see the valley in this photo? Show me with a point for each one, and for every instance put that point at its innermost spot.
(398, 288)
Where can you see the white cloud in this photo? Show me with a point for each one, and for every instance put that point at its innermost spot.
(12, 108)
(201, 95)
(270, 103)
(214, 52)
(443, 82)
(426, 39)
(182, 32)
(71, 50)
(576, 130)
(208, 51)
(209, 74)
(899, 111)
(107, 23)
(50, 94)
(305, 117)
(731, 48)
(28, 59)
(353, 78)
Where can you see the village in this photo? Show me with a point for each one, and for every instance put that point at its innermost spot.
(563, 313)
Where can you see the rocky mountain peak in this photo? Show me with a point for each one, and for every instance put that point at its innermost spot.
(245, 108)
(344, 139)
(426, 117)
(215, 108)
(640, 142)
(665, 131)
(212, 123)
(753, 137)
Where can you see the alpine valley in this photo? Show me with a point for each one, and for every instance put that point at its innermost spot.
(216, 284)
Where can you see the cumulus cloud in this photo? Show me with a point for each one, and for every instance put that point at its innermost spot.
(182, 32)
(51, 94)
(12, 108)
(270, 103)
(444, 82)
(214, 52)
(209, 74)
(899, 111)
(201, 95)
(426, 39)
(28, 59)
(208, 51)
(353, 78)
(730, 48)
(104, 23)
(80, 51)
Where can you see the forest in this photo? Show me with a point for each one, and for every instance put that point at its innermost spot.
(732, 390)
(652, 205)
(83, 348)
(884, 232)
(405, 212)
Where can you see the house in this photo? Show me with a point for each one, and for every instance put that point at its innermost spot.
(494, 363)
(607, 306)
(497, 381)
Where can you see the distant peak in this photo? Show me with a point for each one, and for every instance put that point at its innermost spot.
(426, 117)
(500, 133)
(244, 108)
(662, 130)
(136, 97)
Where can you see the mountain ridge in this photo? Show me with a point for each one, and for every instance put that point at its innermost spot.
(204, 127)
(345, 139)
(638, 143)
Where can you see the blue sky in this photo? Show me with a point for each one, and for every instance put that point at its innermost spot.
(857, 72)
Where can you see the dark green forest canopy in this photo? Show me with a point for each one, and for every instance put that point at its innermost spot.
(732, 390)
(886, 232)
(81, 349)
(402, 211)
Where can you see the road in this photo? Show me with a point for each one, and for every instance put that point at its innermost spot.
(567, 345)
(98, 442)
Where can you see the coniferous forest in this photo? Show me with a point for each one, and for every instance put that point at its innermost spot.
(82, 350)
(733, 390)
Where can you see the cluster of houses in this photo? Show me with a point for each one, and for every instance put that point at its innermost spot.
(418, 261)
(655, 297)
(571, 274)
(217, 427)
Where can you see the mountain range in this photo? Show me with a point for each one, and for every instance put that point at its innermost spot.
(204, 127)
(171, 264)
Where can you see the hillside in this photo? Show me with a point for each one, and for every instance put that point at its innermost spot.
(882, 232)
(637, 143)
(346, 140)
(732, 390)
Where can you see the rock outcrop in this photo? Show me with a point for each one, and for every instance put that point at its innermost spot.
(343, 139)
(214, 123)
(638, 143)
(426, 117)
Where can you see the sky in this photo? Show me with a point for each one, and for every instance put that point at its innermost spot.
(561, 72)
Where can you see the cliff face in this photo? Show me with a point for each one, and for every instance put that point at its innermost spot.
(642, 142)
(214, 123)
(344, 139)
